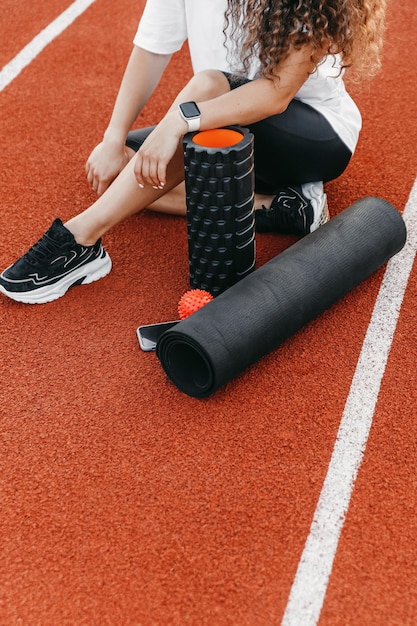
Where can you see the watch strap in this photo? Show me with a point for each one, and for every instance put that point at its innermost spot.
(193, 124)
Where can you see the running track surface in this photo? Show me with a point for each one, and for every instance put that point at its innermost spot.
(125, 502)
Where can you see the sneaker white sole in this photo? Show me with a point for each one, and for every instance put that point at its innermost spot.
(318, 198)
(322, 216)
(83, 275)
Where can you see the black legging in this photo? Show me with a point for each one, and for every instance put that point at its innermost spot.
(297, 146)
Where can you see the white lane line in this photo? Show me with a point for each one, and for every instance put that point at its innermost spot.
(314, 569)
(38, 43)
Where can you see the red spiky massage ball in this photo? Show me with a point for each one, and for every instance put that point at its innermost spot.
(193, 300)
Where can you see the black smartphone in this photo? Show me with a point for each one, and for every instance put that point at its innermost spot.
(149, 334)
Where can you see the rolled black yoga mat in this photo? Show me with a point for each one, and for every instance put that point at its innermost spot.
(254, 316)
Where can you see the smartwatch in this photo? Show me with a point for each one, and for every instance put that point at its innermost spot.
(190, 112)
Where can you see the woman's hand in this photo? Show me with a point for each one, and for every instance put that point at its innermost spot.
(158, 149)
(104, 164)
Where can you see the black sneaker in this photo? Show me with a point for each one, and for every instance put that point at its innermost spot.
(296, 210)
(53, 265)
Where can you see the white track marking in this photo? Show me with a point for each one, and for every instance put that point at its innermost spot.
(35, 47)
(314, 569)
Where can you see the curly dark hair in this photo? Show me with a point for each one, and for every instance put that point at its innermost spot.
(269, 29)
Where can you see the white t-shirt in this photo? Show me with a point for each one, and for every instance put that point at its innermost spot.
(166, 24)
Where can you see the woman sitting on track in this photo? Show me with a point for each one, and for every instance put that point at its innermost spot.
(274, 66)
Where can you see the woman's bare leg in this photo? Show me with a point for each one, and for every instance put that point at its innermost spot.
(174, 202)
(121, 200)
(263, 201)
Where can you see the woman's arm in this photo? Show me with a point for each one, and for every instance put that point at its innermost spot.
(143, 72)
(260, 98)
(247, 104)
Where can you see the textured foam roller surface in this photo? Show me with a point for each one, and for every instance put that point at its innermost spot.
(254, 316)
(219, 181)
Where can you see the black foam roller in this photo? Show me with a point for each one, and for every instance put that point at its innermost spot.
(254, 316)
(219, 183)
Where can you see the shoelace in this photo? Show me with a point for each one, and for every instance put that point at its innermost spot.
(41, 250)
(286, 218)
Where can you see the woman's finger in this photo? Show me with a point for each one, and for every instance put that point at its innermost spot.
(153, 174)
(138, 170)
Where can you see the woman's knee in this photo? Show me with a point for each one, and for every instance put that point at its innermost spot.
(209, 84)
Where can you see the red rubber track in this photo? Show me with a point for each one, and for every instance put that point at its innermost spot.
(125, 502)
(19, 24)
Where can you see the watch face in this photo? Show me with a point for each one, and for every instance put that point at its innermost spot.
(190, 109)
